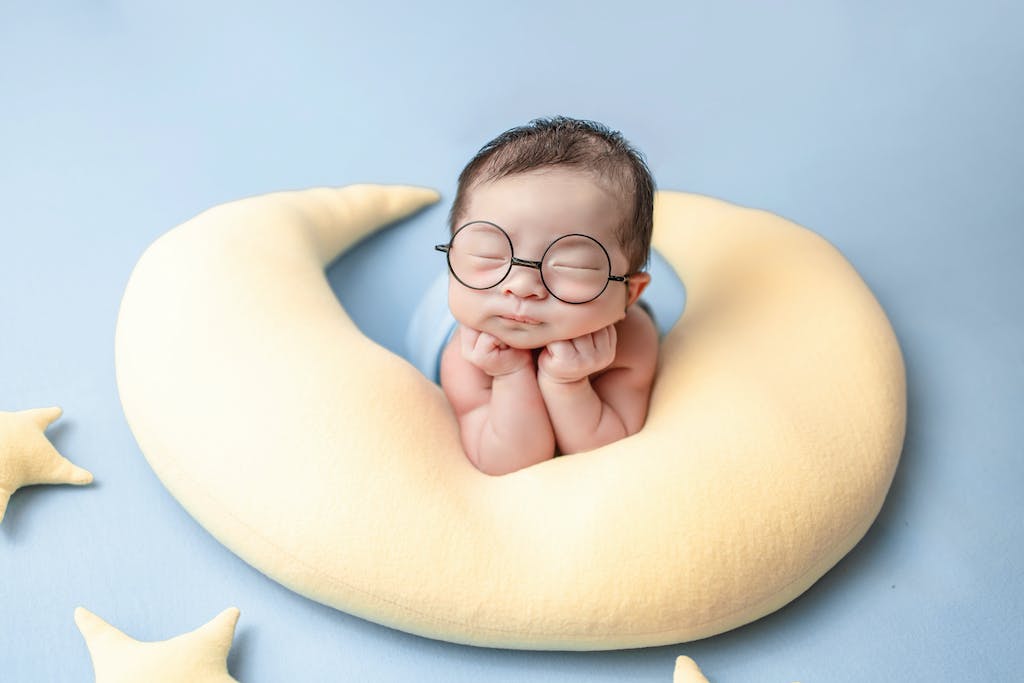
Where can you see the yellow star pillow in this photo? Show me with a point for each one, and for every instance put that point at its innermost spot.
(27, 457)
(687, 671)
(197, 657)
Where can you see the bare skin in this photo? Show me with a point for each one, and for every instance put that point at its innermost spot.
(526, 374)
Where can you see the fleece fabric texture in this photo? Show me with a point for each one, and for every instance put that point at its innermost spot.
(27, 457)
(334, 466)
(200, 656)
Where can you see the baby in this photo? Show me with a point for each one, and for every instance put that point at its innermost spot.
(551, 226)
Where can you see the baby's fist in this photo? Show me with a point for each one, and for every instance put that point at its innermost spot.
(490, 354)
(571, 360)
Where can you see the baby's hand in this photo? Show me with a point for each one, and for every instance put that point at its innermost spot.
(491, 355)
(573, 359)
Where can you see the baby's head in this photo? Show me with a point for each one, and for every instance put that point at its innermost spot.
(540, 184)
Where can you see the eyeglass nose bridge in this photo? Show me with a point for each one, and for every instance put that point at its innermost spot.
(515, 261)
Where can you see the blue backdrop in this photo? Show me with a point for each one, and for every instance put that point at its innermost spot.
(892, 129)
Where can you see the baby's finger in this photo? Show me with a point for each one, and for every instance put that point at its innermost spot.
(488, 342)
(585, 344)
(467, 338)
(560, 348)
(610, 337)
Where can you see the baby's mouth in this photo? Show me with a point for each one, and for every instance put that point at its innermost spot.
(526, 320)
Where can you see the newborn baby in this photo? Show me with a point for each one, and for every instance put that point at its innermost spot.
(551, 226)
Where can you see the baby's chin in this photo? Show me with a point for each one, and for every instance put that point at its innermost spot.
(522, 335)
(530, 339)
(527, 338)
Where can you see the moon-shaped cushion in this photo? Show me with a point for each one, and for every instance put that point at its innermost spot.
(334, 467)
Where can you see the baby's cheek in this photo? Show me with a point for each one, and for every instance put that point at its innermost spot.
(596, 319)
(463, 307)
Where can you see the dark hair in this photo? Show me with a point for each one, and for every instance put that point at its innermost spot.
(563, 141)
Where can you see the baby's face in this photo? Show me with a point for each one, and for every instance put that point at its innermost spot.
(536, 208)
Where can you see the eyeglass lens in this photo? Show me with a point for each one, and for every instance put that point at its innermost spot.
(575, 268)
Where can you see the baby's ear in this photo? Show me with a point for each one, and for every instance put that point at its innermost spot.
(637, 284)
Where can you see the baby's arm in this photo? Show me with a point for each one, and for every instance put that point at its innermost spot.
(588, 413)
(503, 422)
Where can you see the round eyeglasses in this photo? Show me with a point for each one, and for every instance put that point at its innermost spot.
(575, 268)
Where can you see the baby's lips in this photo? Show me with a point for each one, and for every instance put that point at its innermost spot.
(525, 319)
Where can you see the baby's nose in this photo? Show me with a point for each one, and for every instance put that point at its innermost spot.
(524, 282)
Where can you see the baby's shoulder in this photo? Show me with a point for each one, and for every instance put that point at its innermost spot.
(637, 339)
(638, 323)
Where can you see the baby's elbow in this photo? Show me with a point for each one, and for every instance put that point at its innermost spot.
(634, 423)
(497, 467)
(487, 465)
(496, 460)
(494, 468)
(632, 413)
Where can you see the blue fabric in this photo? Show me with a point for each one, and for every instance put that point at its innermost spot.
(430, 328)
(892, 129)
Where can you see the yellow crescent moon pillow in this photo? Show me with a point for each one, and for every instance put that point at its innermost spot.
(334, 467)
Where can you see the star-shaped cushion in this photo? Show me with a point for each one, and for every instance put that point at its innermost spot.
(27, 457)
(196, 657)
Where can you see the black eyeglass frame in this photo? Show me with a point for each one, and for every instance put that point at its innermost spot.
(514, 261)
